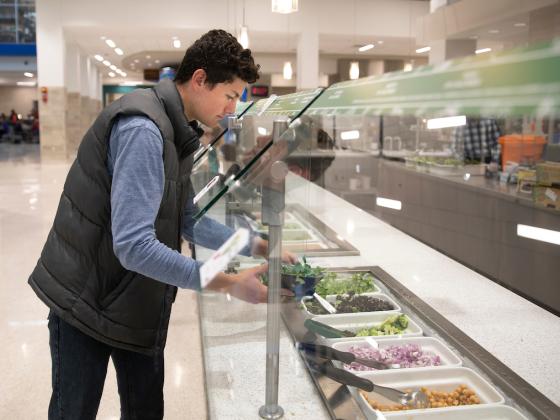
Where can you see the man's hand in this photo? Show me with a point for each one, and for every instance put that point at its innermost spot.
(260, 248)
(245, 285)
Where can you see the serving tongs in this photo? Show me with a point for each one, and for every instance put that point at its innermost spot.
(413, 399)
(327, 352)
(326, 330)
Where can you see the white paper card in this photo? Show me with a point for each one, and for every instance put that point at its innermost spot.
(212, 182)
(220, 259)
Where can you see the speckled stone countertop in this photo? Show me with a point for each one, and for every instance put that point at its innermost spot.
(234, 346)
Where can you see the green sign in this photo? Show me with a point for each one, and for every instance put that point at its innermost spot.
(519, 82)
(290, 105)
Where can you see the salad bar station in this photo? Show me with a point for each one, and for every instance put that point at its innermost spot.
(427, 341)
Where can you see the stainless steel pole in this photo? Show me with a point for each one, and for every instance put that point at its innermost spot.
(273, 215)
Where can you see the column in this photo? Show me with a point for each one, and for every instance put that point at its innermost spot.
(307, 71)
(448, 49)
(50, 73)
(73, 99)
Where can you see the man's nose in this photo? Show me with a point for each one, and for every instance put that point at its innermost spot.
(230, 108)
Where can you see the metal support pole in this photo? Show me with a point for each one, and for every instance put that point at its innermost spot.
(273, 203)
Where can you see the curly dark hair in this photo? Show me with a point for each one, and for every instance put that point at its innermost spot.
(219, 54)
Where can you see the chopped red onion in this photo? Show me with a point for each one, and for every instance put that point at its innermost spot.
(407, 355)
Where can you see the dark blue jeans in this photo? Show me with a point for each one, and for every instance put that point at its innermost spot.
(79, 367)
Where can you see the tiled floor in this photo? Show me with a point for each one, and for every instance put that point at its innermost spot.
(29, 191)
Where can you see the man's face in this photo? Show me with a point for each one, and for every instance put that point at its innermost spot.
(217, 101)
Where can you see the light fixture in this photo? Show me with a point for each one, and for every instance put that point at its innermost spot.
(483, 50)
(354, 72)
(519, 24)
(407, 67)
(27, 74)
(423, 50)
(387, 202)
(243, 37)
(287, 70)
(350, 135)
(445, 122)
(177, 43)
(148, 57)
(380, 42)
(107, 63)
(136, 60)
(98, 57)
(119, 51)
(110, 43)
(123, 74)
(539, 234)
(111, 74)
(366, 47)
(494, 31)
(26, 83)
(284, 6)
(113, 67)
(157, 61)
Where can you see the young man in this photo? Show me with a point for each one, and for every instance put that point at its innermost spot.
(111, 265)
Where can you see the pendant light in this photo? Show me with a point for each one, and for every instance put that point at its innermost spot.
(284, 6)
(243, 36)
(287, 70)
(354, 72)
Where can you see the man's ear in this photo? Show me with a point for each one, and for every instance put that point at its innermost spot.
(199, 78)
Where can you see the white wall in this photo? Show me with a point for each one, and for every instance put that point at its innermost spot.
(18, 98)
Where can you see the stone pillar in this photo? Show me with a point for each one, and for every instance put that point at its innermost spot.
(308, 60)
(50, 72)
(73, 101)
(449, 49)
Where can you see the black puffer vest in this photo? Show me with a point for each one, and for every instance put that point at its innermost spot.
(78, 275)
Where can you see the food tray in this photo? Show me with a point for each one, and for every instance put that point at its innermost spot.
(354, 322)
(441, 378)
(479, 412)
(332, 298)
(448, 358)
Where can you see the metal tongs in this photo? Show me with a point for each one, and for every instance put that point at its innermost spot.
(344, 356)
(414, 399)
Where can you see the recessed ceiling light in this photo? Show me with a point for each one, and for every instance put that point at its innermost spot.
(366, 47)
(110, 43)
(98, 57)
(380, 42)
(176, 43)
(149, 64)
(27, 74)
(107, 63)
(494, 31)
(119, 51)
(148, 57)
(483, 50)
(157, 61)
(123, 74)
(174, 37)
(111, 74)
(473, 37)
(136, 60)
(520, 24)
(423, 50)
(103, 38)
(113, 67)
(26, 83)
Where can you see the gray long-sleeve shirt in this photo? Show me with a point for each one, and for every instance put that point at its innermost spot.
(136, 165)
